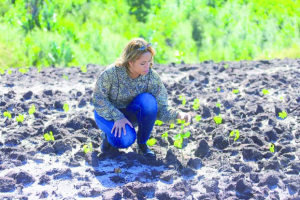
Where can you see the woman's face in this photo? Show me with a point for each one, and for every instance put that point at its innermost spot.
(141, 65)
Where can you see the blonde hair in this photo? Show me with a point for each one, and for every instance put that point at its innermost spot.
(131, 53)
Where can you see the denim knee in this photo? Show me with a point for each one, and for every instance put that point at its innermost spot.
(147, 102)
(125, 141)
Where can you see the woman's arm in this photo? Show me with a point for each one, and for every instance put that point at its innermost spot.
(102, 105)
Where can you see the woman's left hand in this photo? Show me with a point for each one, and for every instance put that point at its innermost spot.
(186, 116)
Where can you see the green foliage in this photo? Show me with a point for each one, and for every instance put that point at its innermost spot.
(218, 119)
(172, 125)
(31, 110)
(20, 118)
(236, 133)
(235, 91)
(158, 122)
(165, 135)
(264, 91)
(181, 97)
(151, 142)
(87, 148)
(282, 115)
(218, 89)
(49, 136)
(72, 32)
(65, 77)
(272, 147)
(196, 104)
(198, 118)
(66, 107)
(178, 139)
(83, 69)
(7, 114)
(218, 105)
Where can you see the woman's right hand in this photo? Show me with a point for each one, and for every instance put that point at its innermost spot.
(119, 124)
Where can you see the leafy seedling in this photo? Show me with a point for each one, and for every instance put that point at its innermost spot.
(282, 115)
(158, 122)
(272, 147)
(235, 91)
(218, 105)
(31, 110)
(86, 148)
(49, 136)
(218, 119)
(151, 142)
(181, 97)
(20, 118)
(9, 71)
(196, 104)
(264, 91)
(7, 114)
(236, 133)
(83, 69)
(172, 125)
(22, 70)
(198, 118)
(218, 89)
(2, 71)
(226, 66)
(165, 135)
(65, 77)
(66, 107)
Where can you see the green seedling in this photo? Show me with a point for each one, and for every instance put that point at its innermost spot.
(86, 148)
(39, 69)
(218, 119)
(237, 134)
(181, 97)
(22, 70)
(158, 122)
(2, 71)
(20, 118)
(66, 107)
(196, 104)
(7, 114)
(178, 139)
(9, 71)
(281, 98)
(218, 105)
(49, 136)
(226, 66)
(65, 77)
(235, 91)
(218, 89)
(31, 110)
(151, 142)
(282, 114)
(165, 135)
(198, 118)
(172, 125)
(83, 69)
(264, 91)
(272, 147)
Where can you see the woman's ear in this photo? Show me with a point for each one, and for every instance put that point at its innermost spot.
(130, 63)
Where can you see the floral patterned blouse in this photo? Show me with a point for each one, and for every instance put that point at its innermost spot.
(115, 89)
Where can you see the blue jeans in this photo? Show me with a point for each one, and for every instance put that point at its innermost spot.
(141, 112)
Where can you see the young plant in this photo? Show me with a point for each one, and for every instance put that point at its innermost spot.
(22, 70)
(49, 136)
(235, 91)
(226, 66)
(158, 122)
(237, 134)
(198, 118)
(2, 71)
(196, 104)
(83, 69)
(9, 71)
(178, 140)
(272, 147)
(7, 114)
(151, 142)
(282, 115)
(181, 97)
(218, 105)
(20, 118)
(264, 91)
(218, 89)
(31, 110)
(86, 148)
(218, 119)
(172, 125)
(66, 107)
(65, 77)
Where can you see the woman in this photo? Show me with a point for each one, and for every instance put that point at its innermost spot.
(130, 93)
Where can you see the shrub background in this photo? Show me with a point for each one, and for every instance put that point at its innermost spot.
(77, 32)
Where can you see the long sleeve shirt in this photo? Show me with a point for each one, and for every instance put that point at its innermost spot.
(115, 89)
